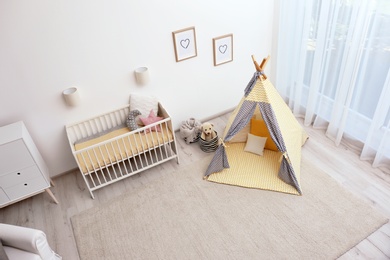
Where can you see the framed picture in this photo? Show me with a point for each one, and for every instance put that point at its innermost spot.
(223, 49)
(185, 43)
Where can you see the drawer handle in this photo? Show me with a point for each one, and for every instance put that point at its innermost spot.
(18, 173)
(25, 184)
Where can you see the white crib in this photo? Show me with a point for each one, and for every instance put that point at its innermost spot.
(106, 151)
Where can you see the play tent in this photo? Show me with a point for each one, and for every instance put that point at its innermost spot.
(261, 112)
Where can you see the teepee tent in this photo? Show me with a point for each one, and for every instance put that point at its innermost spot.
(278, 168)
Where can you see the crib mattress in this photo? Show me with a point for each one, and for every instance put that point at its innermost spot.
(252, 171)
(121, 147)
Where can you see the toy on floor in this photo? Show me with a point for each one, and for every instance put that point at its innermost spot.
(208, 132)
(208, 138)
(190, 130)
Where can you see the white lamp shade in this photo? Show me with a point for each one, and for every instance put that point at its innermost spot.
(71, 96)
(142, 75)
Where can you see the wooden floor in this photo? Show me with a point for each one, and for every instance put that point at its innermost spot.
(370, 184)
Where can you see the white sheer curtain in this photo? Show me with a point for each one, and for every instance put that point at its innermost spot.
(333, 67)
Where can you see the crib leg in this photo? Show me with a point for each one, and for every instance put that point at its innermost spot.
(92, 196)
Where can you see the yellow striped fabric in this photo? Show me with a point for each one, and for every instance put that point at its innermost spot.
(252, 171)
(258, 93)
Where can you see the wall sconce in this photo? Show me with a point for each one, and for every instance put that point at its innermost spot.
(71, 96)
(142, 75)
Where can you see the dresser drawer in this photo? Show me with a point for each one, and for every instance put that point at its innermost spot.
(13, 156)
(26, 188)
(11, 179)
(3, 197)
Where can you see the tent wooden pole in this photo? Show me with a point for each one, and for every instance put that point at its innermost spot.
(262, 65)
(256, 64)
(264, 62)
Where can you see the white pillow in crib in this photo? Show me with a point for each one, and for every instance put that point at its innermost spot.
(144, 104)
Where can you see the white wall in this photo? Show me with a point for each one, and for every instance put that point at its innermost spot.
(47, 46)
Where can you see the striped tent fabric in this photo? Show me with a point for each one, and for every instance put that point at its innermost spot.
(286, 171)
(252, 82)
(240, 121)
(219, 161)
(260, 95)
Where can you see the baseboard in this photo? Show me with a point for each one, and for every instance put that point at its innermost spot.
(213, 116)
(64, 173)
(218, 114)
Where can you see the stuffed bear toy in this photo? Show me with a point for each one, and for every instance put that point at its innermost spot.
(208, 132)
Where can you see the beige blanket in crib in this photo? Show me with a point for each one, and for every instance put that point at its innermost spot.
(118, 145)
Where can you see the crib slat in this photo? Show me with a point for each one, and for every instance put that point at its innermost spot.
(148, 145)
(163, 138)
(143, 153)
(104, 160)
(120, 151)
(128, 154)
(131, 150)
(90, 171)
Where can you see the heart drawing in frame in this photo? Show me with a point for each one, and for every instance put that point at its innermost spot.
(185, 43)
(222, 48)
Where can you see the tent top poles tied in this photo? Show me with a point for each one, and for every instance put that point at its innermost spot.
(260, 68)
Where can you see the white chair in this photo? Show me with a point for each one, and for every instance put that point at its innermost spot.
(21, 243)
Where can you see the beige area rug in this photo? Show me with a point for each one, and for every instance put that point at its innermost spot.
(182, 216)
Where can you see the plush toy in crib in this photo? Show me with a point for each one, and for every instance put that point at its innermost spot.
(131, 120)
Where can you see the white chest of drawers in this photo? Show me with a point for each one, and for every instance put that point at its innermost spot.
(23, 172)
